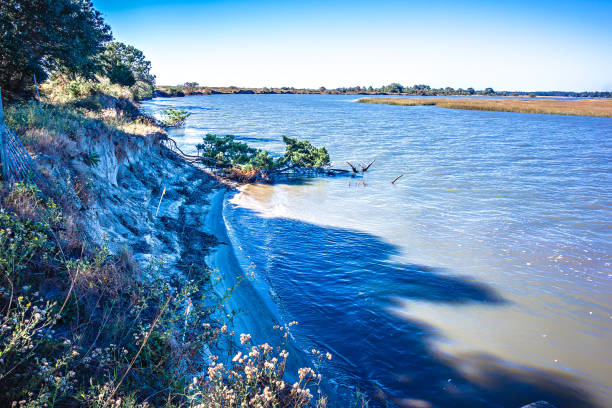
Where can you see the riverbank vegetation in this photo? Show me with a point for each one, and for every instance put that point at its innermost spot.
(581, 107)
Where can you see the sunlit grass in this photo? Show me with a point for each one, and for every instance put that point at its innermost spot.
(579, 107)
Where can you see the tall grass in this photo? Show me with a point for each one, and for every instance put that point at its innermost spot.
(59, 89)
(580, 107)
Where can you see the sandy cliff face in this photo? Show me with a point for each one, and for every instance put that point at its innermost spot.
(124, 189)
(129, 190)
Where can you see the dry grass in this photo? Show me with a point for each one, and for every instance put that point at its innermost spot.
(580, 107)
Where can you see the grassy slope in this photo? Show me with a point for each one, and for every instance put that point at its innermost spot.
(580, 107)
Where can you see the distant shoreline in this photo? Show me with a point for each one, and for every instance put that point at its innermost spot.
(166, 91)
(580, 107)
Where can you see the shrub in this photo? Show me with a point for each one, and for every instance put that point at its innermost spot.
(122, 58)
(175, 91)
(254, 376)
(174, 117)
(59, 89)
(142, 90)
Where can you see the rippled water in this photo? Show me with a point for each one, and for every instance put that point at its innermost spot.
(482, 276)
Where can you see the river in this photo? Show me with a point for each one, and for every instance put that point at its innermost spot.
(482, 276)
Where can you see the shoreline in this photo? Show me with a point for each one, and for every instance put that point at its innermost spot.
(166, 91)
(255, 311)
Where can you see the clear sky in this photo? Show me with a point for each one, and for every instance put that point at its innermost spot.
(518, 45)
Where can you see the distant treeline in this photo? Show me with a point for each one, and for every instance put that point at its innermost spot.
(426, 90)
(193, 88)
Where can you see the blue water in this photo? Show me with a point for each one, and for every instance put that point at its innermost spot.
(482, 276)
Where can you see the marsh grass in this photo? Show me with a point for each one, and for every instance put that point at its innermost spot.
(580, 107)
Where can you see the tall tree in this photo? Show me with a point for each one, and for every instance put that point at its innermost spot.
(117, 56)
(41, 36)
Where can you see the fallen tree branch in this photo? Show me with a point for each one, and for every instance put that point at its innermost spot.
(364, 169)
(353, 168)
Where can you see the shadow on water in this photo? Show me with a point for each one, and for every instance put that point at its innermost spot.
(339, 285)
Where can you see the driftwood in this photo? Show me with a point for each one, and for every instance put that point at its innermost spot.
(353, 168)
(364, 169)
(397, 178)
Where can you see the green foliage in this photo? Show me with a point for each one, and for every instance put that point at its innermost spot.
(60, 89)
(393, 88)
(126, 65)
(81, 88)
(121, 74)
(53, 129)
(300, 153)
(174, 117)
(142, 90)
(225, 151)
(55, 120)
(92, 159)
(263, 161)
(42, 36)
(20, 240)
(174, 90)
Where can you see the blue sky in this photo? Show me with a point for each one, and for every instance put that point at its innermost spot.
(520, 45)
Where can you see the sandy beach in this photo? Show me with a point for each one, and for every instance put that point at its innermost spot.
(250, 303)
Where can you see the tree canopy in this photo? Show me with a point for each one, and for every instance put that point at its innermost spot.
(41, 36)
(300, 153)
(125, 64)
(190, 87)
